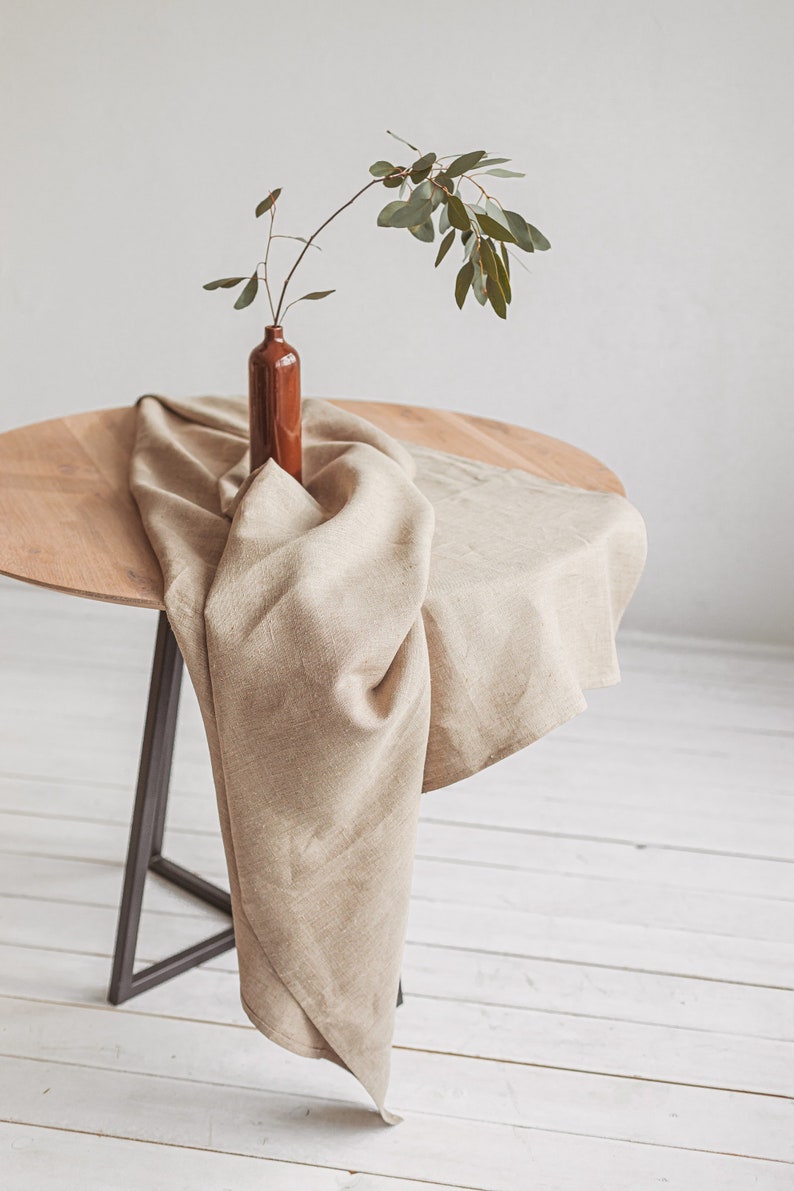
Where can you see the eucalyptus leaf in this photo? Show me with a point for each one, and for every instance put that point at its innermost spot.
(520, 229)
(462, 283)
(505, 258)
(404, 142)
(248, 294)
(268, 202)
(492, 228)
(464, 163)
(381, 169)
(538, 239)
(504, 173)
(300, 239)
(411, 215)
(223, 283)
(314, 296)
(425, 231)
(458, 215)
(488, 258)
(391, 209)
(443, 180)
(443, 220)
(393, 181)
(421, 168)
(492, 161)
(495, 211)
(478, 281)
(504, 279)
(437, 196)
(446, 244)
(496, 297)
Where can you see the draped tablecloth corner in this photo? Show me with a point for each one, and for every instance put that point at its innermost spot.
(400, 622)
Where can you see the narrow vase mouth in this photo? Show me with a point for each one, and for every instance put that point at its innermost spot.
(276, 331)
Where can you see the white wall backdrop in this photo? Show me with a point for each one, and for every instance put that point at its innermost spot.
(137, 138)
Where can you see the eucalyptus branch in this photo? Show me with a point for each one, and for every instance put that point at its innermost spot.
(487, 233)
(313, 237)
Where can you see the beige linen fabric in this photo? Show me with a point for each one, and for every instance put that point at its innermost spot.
(401, 621)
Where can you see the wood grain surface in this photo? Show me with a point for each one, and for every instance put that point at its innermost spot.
(68, 522)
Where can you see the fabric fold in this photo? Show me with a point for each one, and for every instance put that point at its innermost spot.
(400, 622)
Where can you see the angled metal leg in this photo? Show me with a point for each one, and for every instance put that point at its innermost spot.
(144, 854)
(146, 837)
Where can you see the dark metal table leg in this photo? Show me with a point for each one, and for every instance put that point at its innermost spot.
(144, 853)
(146, 837)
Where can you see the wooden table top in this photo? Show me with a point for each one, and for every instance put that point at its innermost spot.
(68, 522)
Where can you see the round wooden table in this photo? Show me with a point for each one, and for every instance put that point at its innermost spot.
(68, 522)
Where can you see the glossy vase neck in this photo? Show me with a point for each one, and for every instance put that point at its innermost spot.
(274, 334)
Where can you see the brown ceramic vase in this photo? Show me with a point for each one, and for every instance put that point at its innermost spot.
(274, 403)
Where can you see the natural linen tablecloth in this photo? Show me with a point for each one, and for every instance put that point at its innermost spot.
(405, 619)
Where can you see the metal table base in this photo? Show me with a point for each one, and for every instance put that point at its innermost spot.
(144, 854)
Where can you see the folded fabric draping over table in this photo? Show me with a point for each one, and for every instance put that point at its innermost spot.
(316, 623)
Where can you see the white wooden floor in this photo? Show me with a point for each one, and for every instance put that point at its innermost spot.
(598, 976)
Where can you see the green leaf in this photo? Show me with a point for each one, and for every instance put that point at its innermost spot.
(462, 283)
(314, 296)
(381, 169)
(495, 211)
(497, 278)
(437, 196)
(504, 173)
(492, 228)
(425, 231)
(446, 244)
(538, 239)
(391, 209)
(421, 168)
(505, 258)
(492, 161)
(461, 165)
(411, 215)
(268, 202)
(443, 179)
(488, 258)
(443, 221)
(300, 239)
(458, 215)
(478, 280)
(399, 138)
(496, 297)
(224, 283)
(504, 277)
(521, 234)
(394, 181)
(248, 294)
(424, 162)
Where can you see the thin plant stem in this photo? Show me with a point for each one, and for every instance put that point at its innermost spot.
(313, 236)
(264, 263)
